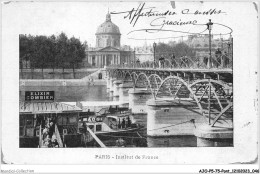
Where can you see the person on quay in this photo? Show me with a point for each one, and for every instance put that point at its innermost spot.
(51, 129)
(45, 133)
(49, 143)
(123, 123)
(55, 143)
(128, 122)
(119, 124)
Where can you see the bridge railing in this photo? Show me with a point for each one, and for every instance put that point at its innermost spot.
(185, 62)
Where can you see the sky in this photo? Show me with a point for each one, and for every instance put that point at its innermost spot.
(81, 19)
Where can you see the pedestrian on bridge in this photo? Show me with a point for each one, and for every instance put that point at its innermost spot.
(173, 60)
(225, 60)
(184, 61)
(205, 60)
(138, 62)
(218, 57)
(161, 60)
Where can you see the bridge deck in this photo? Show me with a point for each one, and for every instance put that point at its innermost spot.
(224, 74)
(212, 70)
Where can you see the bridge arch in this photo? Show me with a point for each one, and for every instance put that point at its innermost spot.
(139, 77)
(155, 81)
(126, 75)
(116, 73)
(220, 82)
(142, 77)
(214, 98)
(134, 76)
(120, 74)
(176, 78)
(151, 82)
(113, 73)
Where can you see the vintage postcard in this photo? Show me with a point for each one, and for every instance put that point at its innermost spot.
(112, 82)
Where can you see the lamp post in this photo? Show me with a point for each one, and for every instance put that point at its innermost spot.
(228, 49)
(134, 57)
(154, 47)
(209, 27)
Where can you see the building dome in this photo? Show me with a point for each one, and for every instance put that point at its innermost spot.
(108, 34)
(108, 27)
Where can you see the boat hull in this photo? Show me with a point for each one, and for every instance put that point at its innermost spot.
(131, 138)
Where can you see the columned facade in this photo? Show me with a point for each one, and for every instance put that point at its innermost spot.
(106, 57)
(108, 50)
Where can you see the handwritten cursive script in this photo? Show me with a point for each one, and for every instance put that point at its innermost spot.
(160, 19)
(134, 14)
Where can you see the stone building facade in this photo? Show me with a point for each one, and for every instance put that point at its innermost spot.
(201, 45)
(108, 50)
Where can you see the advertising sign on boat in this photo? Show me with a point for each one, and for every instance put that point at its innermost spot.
(39, 95)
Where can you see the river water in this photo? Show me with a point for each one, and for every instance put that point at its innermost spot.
(99, 93)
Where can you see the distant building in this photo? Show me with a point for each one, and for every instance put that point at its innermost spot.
(144, 53)
(108, 50)
(200, 44)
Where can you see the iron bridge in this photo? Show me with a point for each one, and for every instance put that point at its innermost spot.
(210, 88)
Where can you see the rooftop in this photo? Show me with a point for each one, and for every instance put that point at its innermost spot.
(46, 107)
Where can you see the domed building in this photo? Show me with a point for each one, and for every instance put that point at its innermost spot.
(108, 50)
(108, 34)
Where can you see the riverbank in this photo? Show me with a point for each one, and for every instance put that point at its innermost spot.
(90, 78)
(56, 74)
(61, 82)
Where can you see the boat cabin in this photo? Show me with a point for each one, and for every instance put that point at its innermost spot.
(34, 116)
(107, 120)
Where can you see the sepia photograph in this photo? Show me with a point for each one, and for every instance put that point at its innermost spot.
(138, 78)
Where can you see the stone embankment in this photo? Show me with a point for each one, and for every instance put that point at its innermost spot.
(92, 79)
